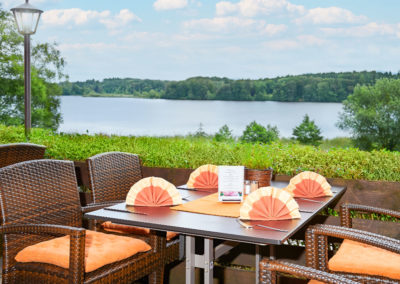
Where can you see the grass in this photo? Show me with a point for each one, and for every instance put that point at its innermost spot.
(338, 142)
(191, 152)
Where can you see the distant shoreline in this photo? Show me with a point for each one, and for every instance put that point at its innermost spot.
(320, 87)
(128, 96)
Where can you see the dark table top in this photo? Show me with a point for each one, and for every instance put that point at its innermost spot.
(215, 227)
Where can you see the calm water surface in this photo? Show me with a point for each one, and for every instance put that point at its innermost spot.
(128, 116)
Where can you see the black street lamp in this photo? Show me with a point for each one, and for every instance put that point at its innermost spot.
(27, 19)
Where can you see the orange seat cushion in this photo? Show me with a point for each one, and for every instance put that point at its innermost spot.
(124, 229)
(355, 257)
(100, 249)
(315, 282)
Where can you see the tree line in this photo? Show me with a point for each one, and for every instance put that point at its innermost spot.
(320, 87)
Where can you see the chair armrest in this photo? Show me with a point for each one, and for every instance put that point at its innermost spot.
(268, 269)
(345, 217)
(96, 206)
(76, 245)
(41, 229)
(317, 242)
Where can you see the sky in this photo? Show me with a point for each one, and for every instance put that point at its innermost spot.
(238, 39)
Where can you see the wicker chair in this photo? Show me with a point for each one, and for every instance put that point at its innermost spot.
(269, 270)
(39, 200)
(111, 176)
(317, 243)
(20, 152)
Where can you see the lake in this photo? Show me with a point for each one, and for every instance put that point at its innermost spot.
(158, 117)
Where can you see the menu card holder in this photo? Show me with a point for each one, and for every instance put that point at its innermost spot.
(230, 183)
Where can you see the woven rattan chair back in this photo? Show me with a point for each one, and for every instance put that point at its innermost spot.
(112, 174)
(38, 192)
(20, 152)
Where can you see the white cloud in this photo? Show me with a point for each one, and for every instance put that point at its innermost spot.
(99, 46)
(193, 37)
(234, 25)
(299, 42)
(272, 29)
(282, 44)
(330, 15)
(252, 8)
(7, 4)
(75, 15)
(225, 8)
(170, 4)
(124, 17)
(219, 24)
(310, 40)
(292, 8)
(367, 30)
(79, 17)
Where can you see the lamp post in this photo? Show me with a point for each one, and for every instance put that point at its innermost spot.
(27, 19)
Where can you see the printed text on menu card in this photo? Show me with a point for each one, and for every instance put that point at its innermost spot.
(230, 183)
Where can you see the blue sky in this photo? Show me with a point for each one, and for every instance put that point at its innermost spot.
(178, 39)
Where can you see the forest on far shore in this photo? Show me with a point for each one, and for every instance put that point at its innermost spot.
(319, 87)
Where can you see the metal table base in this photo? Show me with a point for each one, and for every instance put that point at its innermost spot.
(206, 261)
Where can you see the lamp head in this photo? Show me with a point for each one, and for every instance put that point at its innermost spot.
(27, 18)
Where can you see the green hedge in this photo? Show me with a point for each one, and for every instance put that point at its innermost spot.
(178, 152)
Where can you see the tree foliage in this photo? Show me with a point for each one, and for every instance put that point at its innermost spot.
(372, 114)
(47, 67)
(256, 133)
(224, 134)
(307, 132)
(322, 87)
(200, 132)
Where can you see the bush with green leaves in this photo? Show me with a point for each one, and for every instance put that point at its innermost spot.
(179, 152)
(224, 134)
(308, 132)
(256, 133)
(200, 133)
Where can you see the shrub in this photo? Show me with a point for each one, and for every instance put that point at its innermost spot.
(256, 133)
(224, 134)
(178, 152)
(200, 132)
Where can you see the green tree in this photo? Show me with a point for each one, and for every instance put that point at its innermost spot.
(47, 67)
(372, 114)
(200, 133)
(256, 133)
(224, 134)
(307, 132)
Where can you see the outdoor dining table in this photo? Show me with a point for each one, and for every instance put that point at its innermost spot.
(211, 227)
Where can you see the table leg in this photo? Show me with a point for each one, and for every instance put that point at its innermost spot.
(190, 259)
(272, 254)
(258, 259)
(208, 261)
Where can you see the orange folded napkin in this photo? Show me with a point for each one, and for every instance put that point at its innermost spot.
(205, 176)
(153, 191)
(309, 184)
(269, 203)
